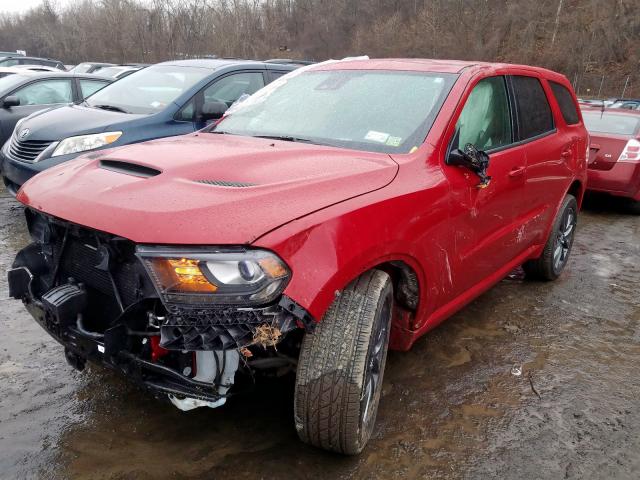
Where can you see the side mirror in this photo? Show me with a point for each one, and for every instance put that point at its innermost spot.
(475, 160)
(10, 101)
(213, 110)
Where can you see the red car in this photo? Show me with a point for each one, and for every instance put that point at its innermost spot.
(614, 158)
(347, 209)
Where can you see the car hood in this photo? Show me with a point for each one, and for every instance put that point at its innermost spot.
(62, 122)
(203, 188)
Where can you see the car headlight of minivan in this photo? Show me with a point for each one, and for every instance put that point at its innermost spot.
(201, 277)
(82, 143)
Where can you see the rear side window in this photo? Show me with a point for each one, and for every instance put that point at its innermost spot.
(533, 110)
(566, 103)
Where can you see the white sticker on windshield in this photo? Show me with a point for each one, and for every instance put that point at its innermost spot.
(394, 141)
(376, 136)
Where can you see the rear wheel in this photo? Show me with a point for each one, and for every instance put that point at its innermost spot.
(556, 252)
(341, 365)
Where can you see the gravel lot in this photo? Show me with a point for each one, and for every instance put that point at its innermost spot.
(451, 408)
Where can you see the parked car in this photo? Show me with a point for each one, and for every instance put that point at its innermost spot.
(17, 59)
(119, 71)
(629, 104)
(90, 67)
(10, 54)
(171, 98)
(26, 92)
(614, 158)
(347, 208)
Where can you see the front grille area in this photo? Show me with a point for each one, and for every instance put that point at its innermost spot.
(100, 264)
(28, 150)
(191, 328)
(80, 261)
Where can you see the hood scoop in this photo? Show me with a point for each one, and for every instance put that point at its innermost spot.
(226, 183)
(128, 168)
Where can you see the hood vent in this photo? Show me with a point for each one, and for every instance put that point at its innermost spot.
(226, 183)
(129, 168)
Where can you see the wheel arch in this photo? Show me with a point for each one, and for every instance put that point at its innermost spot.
(577, 190)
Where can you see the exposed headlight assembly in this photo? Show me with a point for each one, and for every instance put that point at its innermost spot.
(82, 143)
(205, 277)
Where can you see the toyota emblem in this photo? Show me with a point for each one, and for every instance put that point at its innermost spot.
(24, 134)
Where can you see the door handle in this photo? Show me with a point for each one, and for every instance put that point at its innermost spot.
(517, 171)
(566, 153)
(594, 146)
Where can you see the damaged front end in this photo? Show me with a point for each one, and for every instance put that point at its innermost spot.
(180, 321)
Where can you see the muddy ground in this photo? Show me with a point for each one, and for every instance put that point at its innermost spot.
(451, 408)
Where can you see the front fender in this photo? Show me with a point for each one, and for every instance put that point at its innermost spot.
(330, 248)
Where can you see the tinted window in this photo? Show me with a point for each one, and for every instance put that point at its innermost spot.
(534, 113)
(230, 88)
(565, 101)
(485, 120)
(90, 87)
(606, 122)
(45, 92)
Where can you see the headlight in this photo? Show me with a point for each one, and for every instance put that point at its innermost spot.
(199, 276)
(82, 143)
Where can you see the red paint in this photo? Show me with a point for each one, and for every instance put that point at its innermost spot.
(333, 213)
(156, 350)
(607, 171)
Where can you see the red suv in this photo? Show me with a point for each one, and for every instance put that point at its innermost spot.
(346, 209)
(614, 160)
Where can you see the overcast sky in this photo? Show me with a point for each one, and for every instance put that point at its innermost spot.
(17, 6)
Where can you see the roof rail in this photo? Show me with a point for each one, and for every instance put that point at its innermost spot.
(289, 60)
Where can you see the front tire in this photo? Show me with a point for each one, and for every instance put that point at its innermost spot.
(341, 365)
(556, 252)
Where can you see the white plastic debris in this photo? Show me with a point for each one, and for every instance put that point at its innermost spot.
(206, 368)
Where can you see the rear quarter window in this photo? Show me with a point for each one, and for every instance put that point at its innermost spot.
(533, 110)
(566, 103)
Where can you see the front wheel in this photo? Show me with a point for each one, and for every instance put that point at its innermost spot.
(556, 252)
(341, 365)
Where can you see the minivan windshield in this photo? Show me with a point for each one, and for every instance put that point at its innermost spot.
(371, 110)
(149, 90)
(607, 122)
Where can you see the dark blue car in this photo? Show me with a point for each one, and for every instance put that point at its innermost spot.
(171, 98)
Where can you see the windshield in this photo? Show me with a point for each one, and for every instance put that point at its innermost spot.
(611, 123)
(10, 81)
(149, 90)
(378, 111)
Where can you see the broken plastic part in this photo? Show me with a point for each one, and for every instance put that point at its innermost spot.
(216, 367)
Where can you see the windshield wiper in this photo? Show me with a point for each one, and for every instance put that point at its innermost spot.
(112, 108)
(285, 138)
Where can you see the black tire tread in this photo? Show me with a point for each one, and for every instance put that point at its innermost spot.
(541, 268)
(332, 362)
